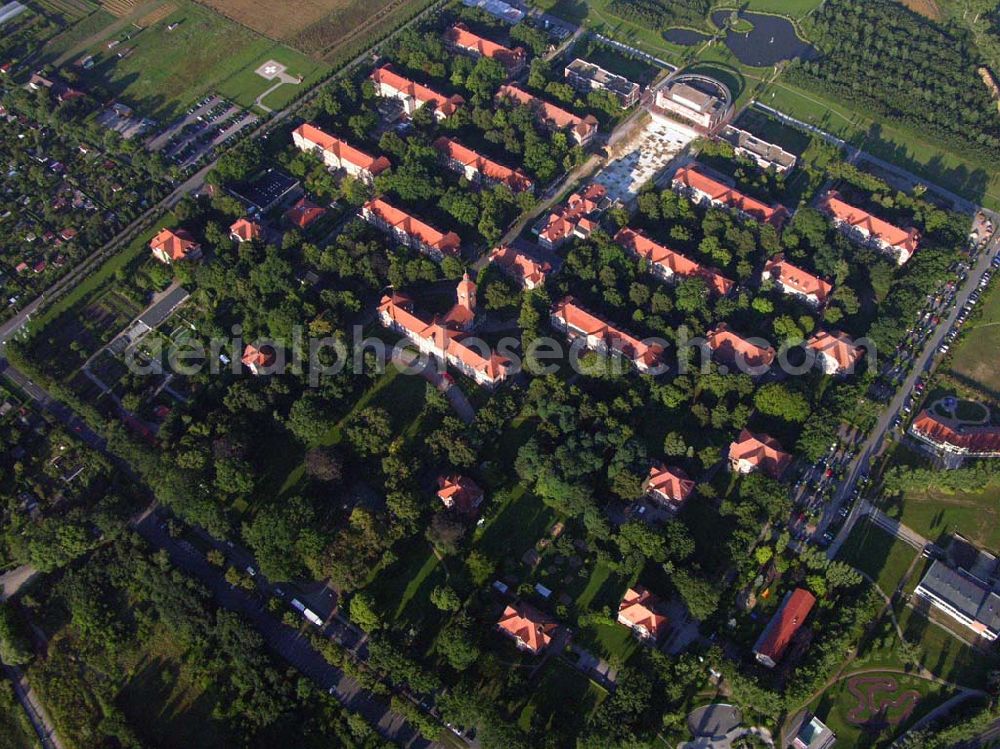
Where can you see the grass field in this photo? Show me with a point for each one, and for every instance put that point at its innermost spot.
(891, 143)
(244, 86)
(933, 513)
(168, 70)
(790, 8)
(883, 557)
(974, 362)
(563, 697)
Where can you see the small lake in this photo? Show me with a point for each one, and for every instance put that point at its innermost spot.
(772, 40)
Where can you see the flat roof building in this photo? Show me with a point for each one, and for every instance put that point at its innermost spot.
(586, 76)
(767, 155)
(698, 99)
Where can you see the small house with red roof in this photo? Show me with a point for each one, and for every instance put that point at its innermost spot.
(303, 213)
(735, 351)
(458, 37)
(338, 154)
(390, 84)
(835, 351)
(670, 265)
(576, 218)
(670, 487)
(786, 622)
(410, 231)
(530, 629)
(758, 452)
(460, 493)
(245, 230)
(862, 227)
(172, 245)
(478, 169)
(581, 129)
(258, 358)
(639, 610)
(527, 271)
(600, 336)
(700, 188)
(796, 282)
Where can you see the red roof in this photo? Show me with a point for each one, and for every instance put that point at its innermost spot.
(761, 451)
(460, 36)
(558, 118)
(638, 609)
(670, 483)
(673, 262)
(460, 493)
(527, 625)
(258, 357)
(342, 150)
(837, 345)
(905, 240)
(732, 348)
(783, 272)
(975, 440)
(446, 105)
(442, 338)
(690, 177)
(245, 229)
(303, 213)
(531, 272)
(787, 620)
(515, 179)
(413, 227)
(565, 219)
(574, 316)
(176, 244)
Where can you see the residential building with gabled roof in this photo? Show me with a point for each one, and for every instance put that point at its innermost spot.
(577, 217)
(835, 351)
(171, 245)
(245, 230)
(603, 337)
(955, 438)
(390, 84)
(478, 169)
(258, 358)
(303, 213)
(786, 622)
(758, 452)
(670, 487)
(338, 154)
(736, 351)
(582, 129)
(639, 610)
(670, 265)
(692, 181)
(460, 493)
(461, 38)
(530, 273)
(863, 227)
(530, 629)
(410, 231)
(796, 282)
(444, 338)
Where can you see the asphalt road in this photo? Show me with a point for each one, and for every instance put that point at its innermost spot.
(923, 364)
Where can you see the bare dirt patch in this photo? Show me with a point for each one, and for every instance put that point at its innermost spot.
(878, 705)
(283, 20)
(927, 8)
(156, 15)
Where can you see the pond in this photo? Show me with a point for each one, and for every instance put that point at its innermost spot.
(685, 37)
(772, 40)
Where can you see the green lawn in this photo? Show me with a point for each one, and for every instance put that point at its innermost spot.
(889, 142)
(790, 8)
(614, 642)
(401, 592)
(974, 362)
(875, 552)
(943, 654)
(516, 525)
(932, 513)
(168, 70)
(561, 700)
(244, 86)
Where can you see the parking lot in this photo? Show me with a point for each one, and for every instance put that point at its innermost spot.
(211, 123)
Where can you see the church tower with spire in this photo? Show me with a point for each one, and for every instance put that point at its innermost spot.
(466, 293)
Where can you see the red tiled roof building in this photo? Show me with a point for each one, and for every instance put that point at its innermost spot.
(528, 272)
(736, 351)
(861, 226)
(410, 231)
(758, 452)
(245, 230)
(787, 620)
(601, 336)
(582, 129)
(701, 188)
(303, 213)
(389, 83)
(948, 436)
(479, 169)
(638, 610)
(797, 282)
(459, 37)
(460, 493)
(171, 245)
(528, 627)
(338, 154)
(577, 217)
(671, 487)
(670, 265)
(835, 351)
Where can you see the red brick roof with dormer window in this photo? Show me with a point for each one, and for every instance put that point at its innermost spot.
(691, 177)
(342, 149)
(528, 626)
(445, 105)
(905, 240)
(732, 348)
(787, 620)
(760, 451)
(574, 316)
(793, 277)
(677, 264)
(573, 215)
(515, 179)
(639, 609)
(671, 484)
(176, 244)
(245, 229)
(460, 36)
(413, 227)
(837, 345)
(972, 439)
